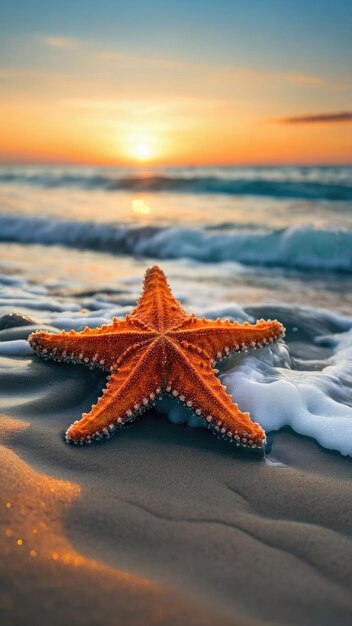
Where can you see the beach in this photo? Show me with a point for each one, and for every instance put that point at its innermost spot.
(163, 526)
(163, 523)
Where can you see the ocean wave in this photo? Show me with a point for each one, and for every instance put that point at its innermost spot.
(290, 183)
(303, 248)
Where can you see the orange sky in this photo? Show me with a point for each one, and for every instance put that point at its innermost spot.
(76, 100)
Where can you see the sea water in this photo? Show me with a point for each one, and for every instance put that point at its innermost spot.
(238, 243)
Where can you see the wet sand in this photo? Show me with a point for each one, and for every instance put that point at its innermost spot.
(162, 524)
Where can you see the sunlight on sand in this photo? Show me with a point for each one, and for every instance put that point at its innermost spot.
(35, 506)
(38, 556)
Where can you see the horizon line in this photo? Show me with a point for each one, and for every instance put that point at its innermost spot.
(149, 165)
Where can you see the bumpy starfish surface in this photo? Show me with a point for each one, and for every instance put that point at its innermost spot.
(159, 348)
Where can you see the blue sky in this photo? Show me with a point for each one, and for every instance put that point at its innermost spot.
(285, 34)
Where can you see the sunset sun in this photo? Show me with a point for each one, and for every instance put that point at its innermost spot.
(142, 151)
(142, 146)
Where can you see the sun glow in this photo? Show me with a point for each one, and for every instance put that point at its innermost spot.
(141, 146)
(142, 152)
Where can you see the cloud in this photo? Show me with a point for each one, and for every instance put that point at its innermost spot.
(319, 118)
(65, 43)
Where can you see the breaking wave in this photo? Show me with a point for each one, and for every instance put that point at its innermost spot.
(302, 248)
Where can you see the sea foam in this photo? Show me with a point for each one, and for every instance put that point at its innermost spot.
(312, 403)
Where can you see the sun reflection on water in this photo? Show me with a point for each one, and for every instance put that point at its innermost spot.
(140, 207)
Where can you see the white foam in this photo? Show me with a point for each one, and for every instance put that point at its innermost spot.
(313, 403)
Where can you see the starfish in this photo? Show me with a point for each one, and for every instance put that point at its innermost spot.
(159, 348)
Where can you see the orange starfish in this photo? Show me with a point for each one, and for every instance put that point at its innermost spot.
(159, 348)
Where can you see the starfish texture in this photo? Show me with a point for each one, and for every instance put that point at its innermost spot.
(159, 348)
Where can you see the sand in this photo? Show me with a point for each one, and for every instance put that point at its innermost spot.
(162, 524)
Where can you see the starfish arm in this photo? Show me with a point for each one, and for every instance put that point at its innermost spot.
(157, 307)
(99, 347)
(194, 382)
(219, 338)
(133, 386)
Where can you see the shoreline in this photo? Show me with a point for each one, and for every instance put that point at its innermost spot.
(163, 523)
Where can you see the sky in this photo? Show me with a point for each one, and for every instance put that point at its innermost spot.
(176, 82)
